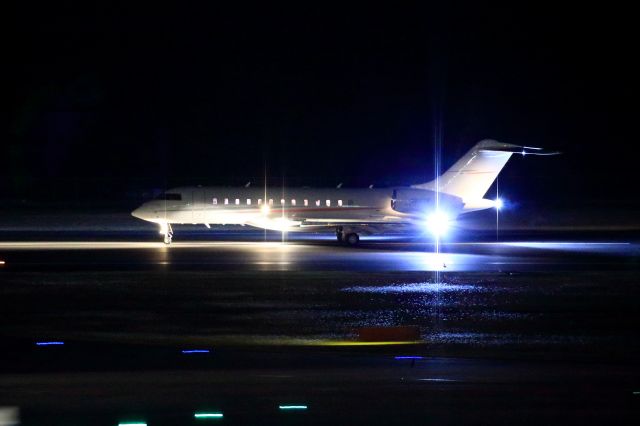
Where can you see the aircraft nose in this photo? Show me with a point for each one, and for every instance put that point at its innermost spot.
(138, 213)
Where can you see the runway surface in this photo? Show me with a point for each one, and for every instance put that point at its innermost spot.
(380, 255)
(526, 331)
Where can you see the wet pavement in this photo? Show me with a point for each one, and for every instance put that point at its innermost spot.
(373, 255)
(524, 331)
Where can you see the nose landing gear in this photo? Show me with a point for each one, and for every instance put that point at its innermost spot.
(167, 231)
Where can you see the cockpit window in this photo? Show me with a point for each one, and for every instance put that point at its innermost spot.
(171, 197)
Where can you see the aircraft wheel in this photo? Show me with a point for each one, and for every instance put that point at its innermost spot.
(340, 237)
(352, 239)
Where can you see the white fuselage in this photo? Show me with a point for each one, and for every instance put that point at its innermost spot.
(272, 208)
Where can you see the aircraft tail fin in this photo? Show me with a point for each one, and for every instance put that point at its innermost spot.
(472, 175)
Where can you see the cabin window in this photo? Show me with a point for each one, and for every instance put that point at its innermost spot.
(328, 203)
(350, 203)
(306, 203)
(215, 201)
(293, 202)
(318, 203)
(237, 201)
(259, 201)
(248, 201)
(226, 201)
(340, 203)
(270, 201)
(282, 202)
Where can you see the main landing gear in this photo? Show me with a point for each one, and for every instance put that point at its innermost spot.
(351, 238)
(167, 231)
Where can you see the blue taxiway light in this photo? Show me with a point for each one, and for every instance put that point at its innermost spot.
(208, 415)
(49, 343)
(196, 351)
(408, 357)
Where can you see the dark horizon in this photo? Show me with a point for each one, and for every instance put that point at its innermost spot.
(126, 99)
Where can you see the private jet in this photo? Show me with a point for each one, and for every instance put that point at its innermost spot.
(347, 212)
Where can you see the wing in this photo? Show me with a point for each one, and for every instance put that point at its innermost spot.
(364, 226)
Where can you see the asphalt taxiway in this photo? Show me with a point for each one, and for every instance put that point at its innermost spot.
(381, 255)
(526, 331)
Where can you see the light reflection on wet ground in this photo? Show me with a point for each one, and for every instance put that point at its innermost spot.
(415, 288)
(300, 256)
(467, 310)
(283, 319)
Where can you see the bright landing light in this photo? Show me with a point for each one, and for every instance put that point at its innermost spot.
(498, 203)
(438, 223)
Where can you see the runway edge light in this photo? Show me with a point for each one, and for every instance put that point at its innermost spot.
(196, 351)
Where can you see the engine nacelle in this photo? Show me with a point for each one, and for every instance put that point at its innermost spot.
(422, 202)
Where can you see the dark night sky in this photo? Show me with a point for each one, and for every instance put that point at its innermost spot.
(123, 98)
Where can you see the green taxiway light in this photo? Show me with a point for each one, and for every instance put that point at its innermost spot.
(132, 424)
(293, 407)
(208, 415)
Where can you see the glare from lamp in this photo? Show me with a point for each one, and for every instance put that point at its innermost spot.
(438, 223)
